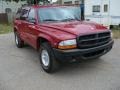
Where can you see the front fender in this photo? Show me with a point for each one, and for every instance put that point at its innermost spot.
(49, 38)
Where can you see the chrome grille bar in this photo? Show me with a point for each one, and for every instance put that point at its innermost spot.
(93, 40)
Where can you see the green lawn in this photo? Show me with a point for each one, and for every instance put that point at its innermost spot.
(4, 28)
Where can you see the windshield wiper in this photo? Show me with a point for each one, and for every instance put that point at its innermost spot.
(50, 20)
(70, 19)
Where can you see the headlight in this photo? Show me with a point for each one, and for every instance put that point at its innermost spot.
(67, 44)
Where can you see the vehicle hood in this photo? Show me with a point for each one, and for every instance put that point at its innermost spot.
(74, 28)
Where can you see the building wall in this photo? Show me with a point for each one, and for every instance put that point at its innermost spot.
(111, 17)
(73, 1)
(12, 5)
(115, 11)
(10, 12)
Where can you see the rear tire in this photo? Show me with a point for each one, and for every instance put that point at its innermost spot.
(47, 58)
(18, 41)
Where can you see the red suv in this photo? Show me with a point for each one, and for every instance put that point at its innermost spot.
(59, 34)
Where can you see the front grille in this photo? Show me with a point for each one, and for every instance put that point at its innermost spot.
(93, 40)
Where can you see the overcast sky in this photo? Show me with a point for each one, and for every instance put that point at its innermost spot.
(54, 0)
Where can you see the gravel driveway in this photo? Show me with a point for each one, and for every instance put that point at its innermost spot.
(20, 70)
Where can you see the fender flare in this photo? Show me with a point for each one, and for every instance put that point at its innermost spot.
(47, 37)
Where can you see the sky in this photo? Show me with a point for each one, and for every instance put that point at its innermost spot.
(54, 0)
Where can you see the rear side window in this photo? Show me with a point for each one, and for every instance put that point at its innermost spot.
(24, 14)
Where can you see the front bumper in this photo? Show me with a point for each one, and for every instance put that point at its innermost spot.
(67, 55)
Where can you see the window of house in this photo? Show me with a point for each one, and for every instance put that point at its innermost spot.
(105, 8)
(96, 8)
(69, 2)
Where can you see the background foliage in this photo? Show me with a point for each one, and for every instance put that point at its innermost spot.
(30, 1)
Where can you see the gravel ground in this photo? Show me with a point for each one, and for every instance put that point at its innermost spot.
(20, 70)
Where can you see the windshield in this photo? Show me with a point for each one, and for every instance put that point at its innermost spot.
(59, 14)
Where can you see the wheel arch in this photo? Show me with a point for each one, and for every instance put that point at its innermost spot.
(15, 29)
(41, 39)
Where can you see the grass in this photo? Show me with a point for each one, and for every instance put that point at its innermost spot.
(5, 28)
(116, 33)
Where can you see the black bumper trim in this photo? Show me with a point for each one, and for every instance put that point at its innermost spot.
(66, 55)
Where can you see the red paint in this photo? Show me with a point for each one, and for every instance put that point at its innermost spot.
(54, 32)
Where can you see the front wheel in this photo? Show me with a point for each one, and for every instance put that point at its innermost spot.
(47, 58)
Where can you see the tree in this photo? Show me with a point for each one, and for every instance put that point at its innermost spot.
(32, 1)
(13, 0)
(37, 1)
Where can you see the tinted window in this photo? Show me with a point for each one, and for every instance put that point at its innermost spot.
(24, 14)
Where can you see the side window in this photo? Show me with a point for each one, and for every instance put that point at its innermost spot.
(24, 14)
(31, 16)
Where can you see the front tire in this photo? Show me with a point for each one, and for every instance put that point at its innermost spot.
(47, 58)
(18, 41)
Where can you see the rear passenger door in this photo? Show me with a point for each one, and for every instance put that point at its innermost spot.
(18, 22)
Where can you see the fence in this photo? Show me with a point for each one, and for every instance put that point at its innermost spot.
(7, 18)
(3, 18)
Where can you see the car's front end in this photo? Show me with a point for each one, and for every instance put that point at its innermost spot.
(77, 39)
(88, 46)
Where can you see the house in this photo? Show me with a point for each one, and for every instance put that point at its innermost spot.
(8, 10)
(71, 1)
(10, 6)
(105, 12)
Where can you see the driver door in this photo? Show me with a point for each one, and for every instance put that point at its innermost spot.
(31, 28)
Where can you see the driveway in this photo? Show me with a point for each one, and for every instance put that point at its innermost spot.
(20, 70)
